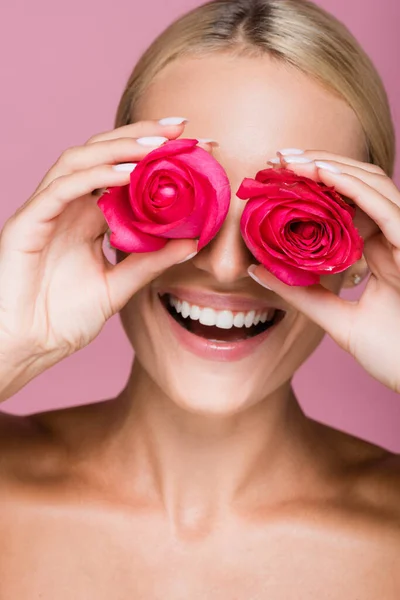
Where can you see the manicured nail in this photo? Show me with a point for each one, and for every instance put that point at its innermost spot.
(192, 255)
(173, 121)
(250, 271)
(290, 151)
(154, 140)
(125, 167)
(297, 159)
(323, 165)
(276, 161)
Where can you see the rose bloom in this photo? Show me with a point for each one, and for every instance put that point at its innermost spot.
(297, 228)
(177, 191)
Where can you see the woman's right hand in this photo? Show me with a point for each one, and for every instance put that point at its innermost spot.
(57, 288)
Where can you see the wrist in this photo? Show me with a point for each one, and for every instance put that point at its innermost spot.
(17, 368)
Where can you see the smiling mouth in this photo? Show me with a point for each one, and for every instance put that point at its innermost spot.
(220, 325)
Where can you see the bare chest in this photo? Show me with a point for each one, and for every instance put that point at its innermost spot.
(53, 554)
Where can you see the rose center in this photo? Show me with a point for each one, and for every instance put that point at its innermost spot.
(304, 230)
(164, 195)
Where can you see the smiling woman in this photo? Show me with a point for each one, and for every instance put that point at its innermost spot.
(203, 477)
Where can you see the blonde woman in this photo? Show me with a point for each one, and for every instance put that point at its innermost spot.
(203, 478)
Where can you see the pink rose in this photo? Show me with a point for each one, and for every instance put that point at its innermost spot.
(177, 191)
(297, 228)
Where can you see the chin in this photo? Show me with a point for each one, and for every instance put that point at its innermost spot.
(218, 392)
(215, 354)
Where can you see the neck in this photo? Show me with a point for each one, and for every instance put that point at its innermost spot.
(197, 465)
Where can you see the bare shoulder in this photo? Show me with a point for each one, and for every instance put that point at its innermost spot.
(37, 447)
(370, 473)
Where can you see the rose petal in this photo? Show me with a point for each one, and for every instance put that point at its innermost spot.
(118, 214)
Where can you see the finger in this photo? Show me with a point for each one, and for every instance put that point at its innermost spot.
(314, 155)
(319, 304)
(205, 144)
(136, 270)
(381, 182)
(382, 260)
(29, 219)
(383, 210)
(114, 151)
(111, 152)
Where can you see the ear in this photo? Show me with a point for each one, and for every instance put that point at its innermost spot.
(360, 269)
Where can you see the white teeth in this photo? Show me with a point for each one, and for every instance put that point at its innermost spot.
(208, 316)
(249, 318)
(195, 313)
(224, 319)
(238, 320)
(185, 312)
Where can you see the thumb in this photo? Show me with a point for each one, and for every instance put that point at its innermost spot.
(138, 269)
(326, 309)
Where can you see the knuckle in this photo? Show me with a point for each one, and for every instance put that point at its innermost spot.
(68, 158)
(56, 185)
(379, 171)
(94, 138)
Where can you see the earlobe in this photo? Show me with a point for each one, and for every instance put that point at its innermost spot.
(356, 274)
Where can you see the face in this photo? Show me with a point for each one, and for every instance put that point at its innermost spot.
(252, 107)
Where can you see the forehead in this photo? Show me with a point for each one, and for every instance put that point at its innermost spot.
(253, 106)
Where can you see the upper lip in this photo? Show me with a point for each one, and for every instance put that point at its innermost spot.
(219, 301)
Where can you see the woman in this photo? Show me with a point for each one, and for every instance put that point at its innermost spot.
(203, 478)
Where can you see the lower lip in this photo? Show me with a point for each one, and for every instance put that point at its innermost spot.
(220, 351)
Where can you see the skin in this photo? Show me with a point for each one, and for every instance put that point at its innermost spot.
(215, 486)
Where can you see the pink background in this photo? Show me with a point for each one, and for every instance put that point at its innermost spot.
(63, 68)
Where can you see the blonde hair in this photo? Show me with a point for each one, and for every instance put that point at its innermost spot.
(294, 31)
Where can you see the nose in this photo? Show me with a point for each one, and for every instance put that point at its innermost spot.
(226, 258)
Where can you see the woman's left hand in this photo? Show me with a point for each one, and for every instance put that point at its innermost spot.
(369, 328)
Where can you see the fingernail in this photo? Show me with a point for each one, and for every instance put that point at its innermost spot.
(254, 276)
(207, 141)
(154, 140)
(125, 167)
(289, 151)
(192, 255)
(276, 161)
(173, 121)
(327, 167)
(297, 159)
